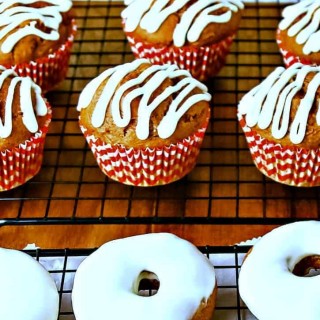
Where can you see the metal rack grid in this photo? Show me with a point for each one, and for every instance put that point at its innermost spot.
(225, 187)
(62, 264)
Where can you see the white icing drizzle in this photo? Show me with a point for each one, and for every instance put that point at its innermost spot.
(266, 282)
(111, 274)
(306, 29)
(29, 118)
(270, 102)
(12, 16)
(113, 94)
(151, 14)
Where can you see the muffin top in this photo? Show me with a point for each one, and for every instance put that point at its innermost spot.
(181, 22)
(142, 105)
(31, 29)
(301, 22)
(285, 106)
(22, 109)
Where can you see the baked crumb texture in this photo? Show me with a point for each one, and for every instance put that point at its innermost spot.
(152, 118)
(281, 121)
(298, 33)
(195, 35)
(36, 39)
(24, 121)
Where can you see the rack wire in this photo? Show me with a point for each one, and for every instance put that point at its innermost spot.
(225, 187)
(62, 265)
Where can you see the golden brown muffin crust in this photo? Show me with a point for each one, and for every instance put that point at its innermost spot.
(291, 45)
(212, 33)
(32, 47)
(19, 132)
(109, 132)
(312, 137)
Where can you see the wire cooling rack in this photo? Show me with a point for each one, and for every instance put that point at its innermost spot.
(225, 187)
(62, 264)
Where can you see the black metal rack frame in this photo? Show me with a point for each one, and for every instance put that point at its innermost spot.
(224, 188)
(63, 263)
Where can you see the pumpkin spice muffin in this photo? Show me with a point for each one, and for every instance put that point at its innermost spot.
(298, 33)
(195, 35)
(281, 121)
(25, 117)
(36, 39)
(144, 123)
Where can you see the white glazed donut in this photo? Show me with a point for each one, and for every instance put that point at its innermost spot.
(267, 283)
(27, 292)
(105, 285)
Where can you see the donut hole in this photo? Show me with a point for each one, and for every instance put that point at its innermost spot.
(147, 284)
(308, 267)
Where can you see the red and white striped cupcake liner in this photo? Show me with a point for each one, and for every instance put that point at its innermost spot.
(149, 166)
(21, 163)
(290, 58)
(202, 62)
(294, 166)
(48, 71)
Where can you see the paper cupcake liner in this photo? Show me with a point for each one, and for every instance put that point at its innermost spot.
(294, 166)
(149, 166)
(290, 58)
(48, 71)
(202, 62)
(21, 163)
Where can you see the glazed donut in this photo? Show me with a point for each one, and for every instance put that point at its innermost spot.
(27, 290)
(271, 280)
(106, 283)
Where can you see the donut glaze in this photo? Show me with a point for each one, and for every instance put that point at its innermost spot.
(266, 282)
(27, 292)
(104, 285)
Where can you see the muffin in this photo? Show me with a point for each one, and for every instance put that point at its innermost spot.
(25, 117)
(195, 35)
(144, 123)
(298, 33)
(281, 121)
(36, 39)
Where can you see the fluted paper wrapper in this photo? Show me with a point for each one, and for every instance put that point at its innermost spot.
(289, 58)
(149, 166)
(202, 62)
(23, 162)
(294, 166)
(48, 71)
